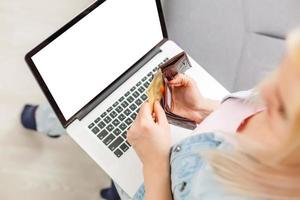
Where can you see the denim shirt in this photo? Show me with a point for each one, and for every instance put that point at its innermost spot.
(191, 176)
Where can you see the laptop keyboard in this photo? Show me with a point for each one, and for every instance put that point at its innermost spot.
(112, 125)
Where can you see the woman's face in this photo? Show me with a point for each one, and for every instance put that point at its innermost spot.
(280, 94)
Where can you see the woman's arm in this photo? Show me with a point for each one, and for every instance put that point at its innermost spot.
(157, 181)
(208, 106)
(151, 139)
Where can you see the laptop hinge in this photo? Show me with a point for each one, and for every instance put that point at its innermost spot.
(102, 96)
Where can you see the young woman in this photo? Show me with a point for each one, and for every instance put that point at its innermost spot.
(260, 161)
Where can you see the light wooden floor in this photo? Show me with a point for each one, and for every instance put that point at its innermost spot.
(32, 166)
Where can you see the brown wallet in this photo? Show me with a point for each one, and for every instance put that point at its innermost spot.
(178, 64)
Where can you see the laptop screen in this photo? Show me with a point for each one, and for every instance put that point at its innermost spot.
(89, 56)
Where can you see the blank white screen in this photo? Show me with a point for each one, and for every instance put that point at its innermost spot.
(88, 57)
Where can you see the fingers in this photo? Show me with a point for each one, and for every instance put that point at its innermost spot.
(143, 119)
(180, 80)
(145, 111)
(160, 115)
(153, 116)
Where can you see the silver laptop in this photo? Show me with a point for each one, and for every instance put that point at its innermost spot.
(95, 71)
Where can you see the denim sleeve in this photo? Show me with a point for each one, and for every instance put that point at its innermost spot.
(185, 164)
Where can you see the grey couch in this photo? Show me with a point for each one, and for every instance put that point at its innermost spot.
(237, 41)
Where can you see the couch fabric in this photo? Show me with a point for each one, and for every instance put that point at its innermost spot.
(237, 41)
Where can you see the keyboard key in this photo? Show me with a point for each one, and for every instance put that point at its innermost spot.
(97, 120)
(136, 94)
(141, 89)
(146, 85)
(154, 70)
(151, 78)
(149, 74)
(102, 134)
(121, 99)
(116, 104)
(101, 125)
(138, 84)
(121, 117)
(118, 153)
(127, 112)
(95, 130)
(107, 119)
(133, 116)
(144, 97)
(113, 114)
(104, 114)
(109, 109)
(123, 126)
(119, 109)
(138, 102)
(91, 125)
(132, 89)
(117, 132)
(130, 99)
(144, 79)
(127, 94)
(124, 135)
(124, 147)
(124, 104)
(128, 143)
(116, 143)
(116, 122)
(110, 128)
(109, 139)
(128, 121)
(132, 107)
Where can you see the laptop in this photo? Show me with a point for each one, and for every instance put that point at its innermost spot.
(95, 71)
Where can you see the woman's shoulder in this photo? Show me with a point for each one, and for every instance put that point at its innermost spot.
(186, 162)
(201, 141)
(240, 95)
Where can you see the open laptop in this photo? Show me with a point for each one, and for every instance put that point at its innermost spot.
(95, 71)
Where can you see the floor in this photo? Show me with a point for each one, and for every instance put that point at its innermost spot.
(33, 166)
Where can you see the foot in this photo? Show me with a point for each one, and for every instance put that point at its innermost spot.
(28, 117)
(110, 193)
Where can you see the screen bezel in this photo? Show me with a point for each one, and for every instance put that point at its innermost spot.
(108, 89)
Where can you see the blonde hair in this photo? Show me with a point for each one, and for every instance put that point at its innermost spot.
(294, 46)
(252, 170)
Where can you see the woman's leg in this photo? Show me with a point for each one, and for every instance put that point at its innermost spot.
(114, 193)
(42, 119)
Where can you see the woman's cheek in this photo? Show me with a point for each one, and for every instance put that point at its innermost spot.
(279, 126)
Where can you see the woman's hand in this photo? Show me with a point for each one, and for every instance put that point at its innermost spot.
(151, 139)
(152, 142)
(187, 99)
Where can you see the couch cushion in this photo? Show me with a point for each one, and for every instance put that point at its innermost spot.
(234, 40)
(273, 17)
(260, 56)
(211, 31)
